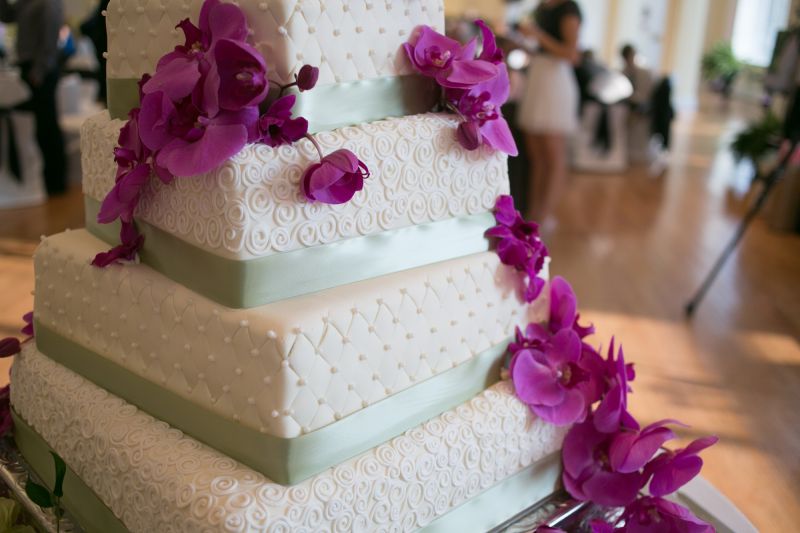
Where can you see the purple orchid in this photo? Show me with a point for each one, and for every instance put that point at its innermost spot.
(6, 422)
(548, 379)
(657, 515)
(306, 78)
(189, 142)
(481, 103)
(673, 469)
(190, 69)
(27, 329)
(489, 50)
(10, 346)
(236, 79)
(630, 451)
(564, 309)
(468, 135)
(588, 473)
(131, 243)
(519, 245)
(612, 413)
(277, 127)
(336, 178)
(451, 64)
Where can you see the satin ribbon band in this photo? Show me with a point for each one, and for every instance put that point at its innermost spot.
(81, 501)
(255, 282)
(284, 460)
(326, 107)
(487, 510)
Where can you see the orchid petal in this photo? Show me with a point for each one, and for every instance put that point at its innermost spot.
(177, 78)
(534, 382)
(497, 135)
(218, 143)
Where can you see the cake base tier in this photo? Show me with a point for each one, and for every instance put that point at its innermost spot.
(154, 478)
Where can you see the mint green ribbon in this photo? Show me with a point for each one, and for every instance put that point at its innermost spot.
(284, 460)
(481, 513)
(254, 282)
(81, 501)
(326, 107)
(504, 500)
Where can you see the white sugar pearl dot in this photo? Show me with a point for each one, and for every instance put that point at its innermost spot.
(334, 370)
(176, 366)
(262, 429)
(227, 340)
(434, 329)
(236, 418)
(211, 357)
(423, 356)
(337, 416)
(409, 336)
(388, 392)
(285, 363)
(371, 329)
(275, 414)
(386, 347)
(267, 380)
(271, 334)
(244, 323)
(345, 340)
(238, 371)
(301, 382)
(376, 376)
(201, 376)
(362, 357)
(254, 352)
(201, 329)
(251, 400)
(364, 403)
(321, 401)
(226, 388)
(153, 355)
(351, 387)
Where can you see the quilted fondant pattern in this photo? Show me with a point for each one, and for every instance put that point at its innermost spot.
(347, 39)
(156, 479)
(289, 367)
(252, 205)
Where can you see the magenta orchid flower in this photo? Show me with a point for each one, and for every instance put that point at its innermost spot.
(236, 79)
(564, 309)
(657, 515)
(612, 413)
(481, 104)
(631, 450)
(451, 64)
(336, 178)
(181, 72)
(518, 245)
(277, 127)
(548, 379)
(189, 142)
(673, 469)
(489, 49)
(588, 473)
(6, 422)
(306, 78)
(10, 346)
(27, 329)
(468, 135)
(131, 243)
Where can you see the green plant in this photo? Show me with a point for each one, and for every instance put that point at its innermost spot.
(45, 498)
(720, 63)
(758, 139)
(9, 516)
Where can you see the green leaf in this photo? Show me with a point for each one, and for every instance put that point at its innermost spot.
(38, 494)
(20, 529)
(61, 471)
(9, 512)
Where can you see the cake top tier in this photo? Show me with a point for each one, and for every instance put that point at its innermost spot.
(348, 40)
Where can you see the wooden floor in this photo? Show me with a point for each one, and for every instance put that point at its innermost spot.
(635, 247)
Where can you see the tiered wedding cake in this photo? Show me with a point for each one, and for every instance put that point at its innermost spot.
(276, 364)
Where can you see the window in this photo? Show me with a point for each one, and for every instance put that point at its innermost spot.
(755, 28)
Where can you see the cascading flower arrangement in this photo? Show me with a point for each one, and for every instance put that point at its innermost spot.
(474, 87)
(201, 107)
(608, 458)
(10, 346)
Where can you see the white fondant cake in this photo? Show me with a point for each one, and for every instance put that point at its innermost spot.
(253, 206)
(154, 478)
(289, 367)
(348, 40)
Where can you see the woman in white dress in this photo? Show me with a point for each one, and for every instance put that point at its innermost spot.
(548, 113)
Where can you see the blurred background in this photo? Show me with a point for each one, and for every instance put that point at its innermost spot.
(684, 109)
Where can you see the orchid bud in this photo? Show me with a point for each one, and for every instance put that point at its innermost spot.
(469, 135)
(9, 346)
(307, 77)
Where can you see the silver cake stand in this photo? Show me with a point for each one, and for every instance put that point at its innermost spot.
(558, 510)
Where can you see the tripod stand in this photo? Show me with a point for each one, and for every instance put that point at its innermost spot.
(770, 180)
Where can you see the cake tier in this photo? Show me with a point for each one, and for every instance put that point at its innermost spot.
(351, 41)
(287, 369)
(252, 208)
(491, 452)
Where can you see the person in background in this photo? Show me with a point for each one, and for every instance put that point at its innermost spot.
(94, 28)
(548, 112)
(38, 25)
(640, 77)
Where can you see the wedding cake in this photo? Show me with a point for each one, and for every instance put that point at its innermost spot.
(276, 359)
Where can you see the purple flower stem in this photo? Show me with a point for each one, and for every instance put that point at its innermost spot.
(282, 88)
(316, 145)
